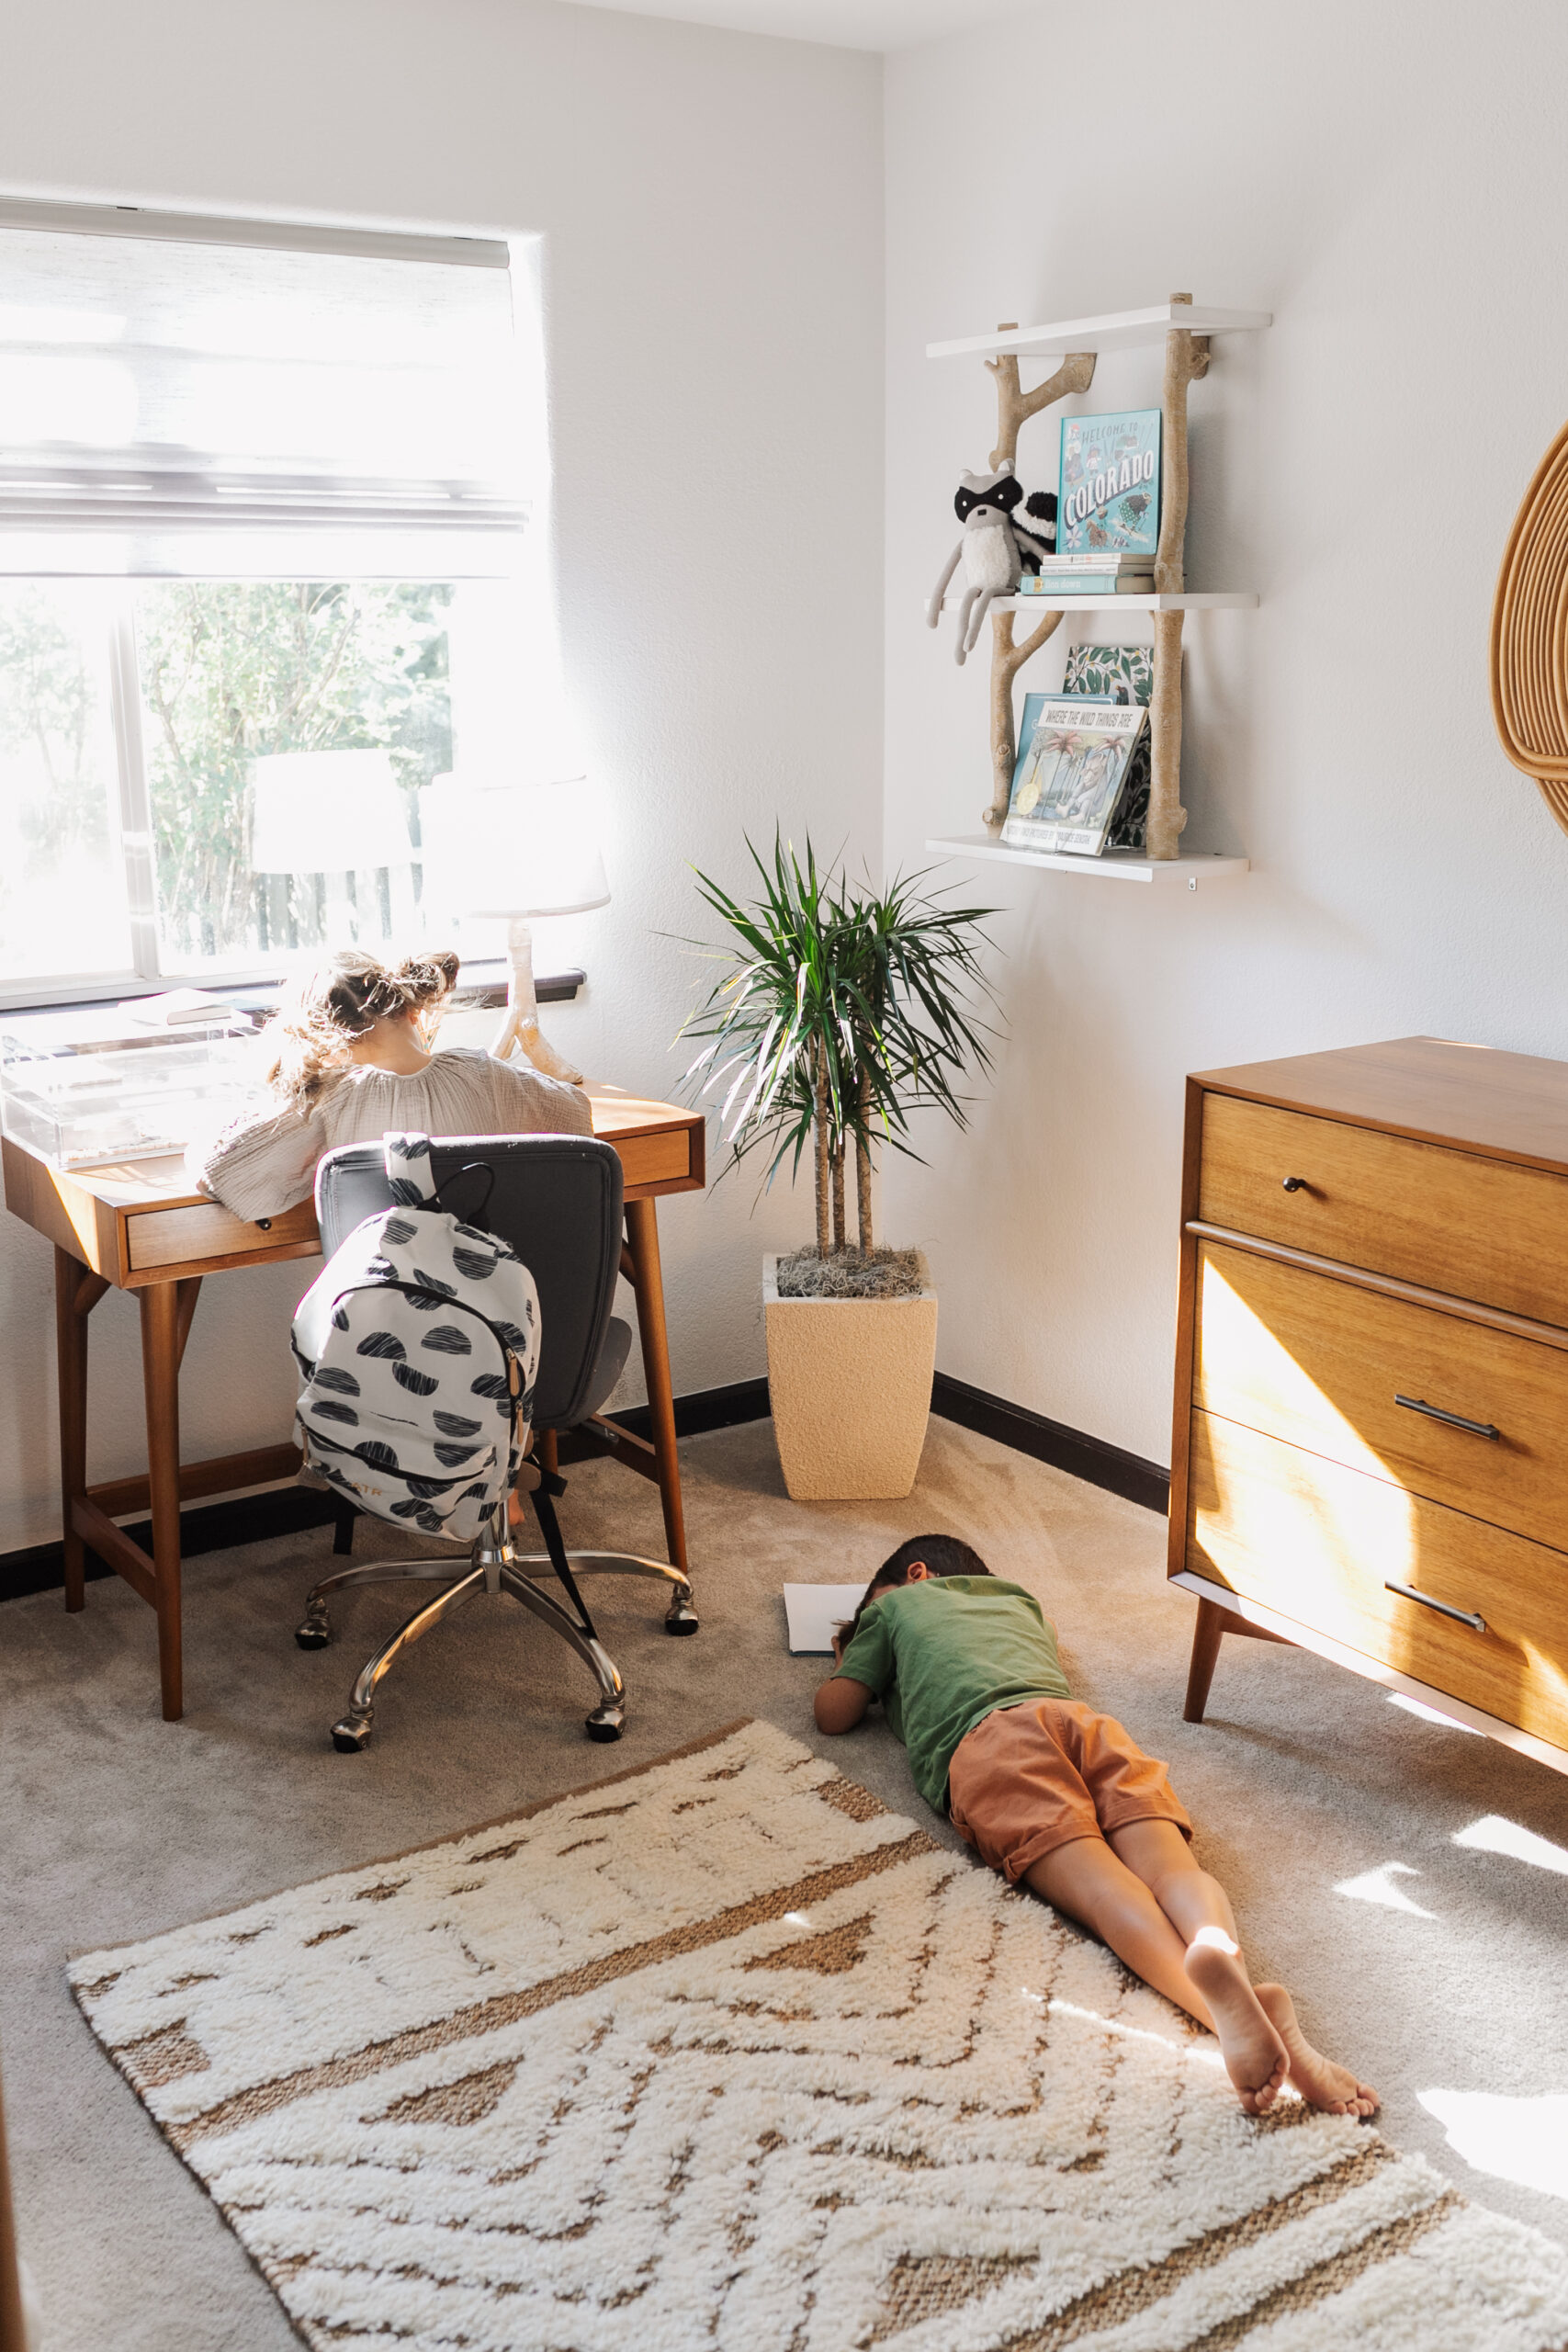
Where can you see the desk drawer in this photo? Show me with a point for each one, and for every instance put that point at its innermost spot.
(1321, 1363)
(655, 1159)
(1477, 1228)
(180, 1237)
(1315, 1541)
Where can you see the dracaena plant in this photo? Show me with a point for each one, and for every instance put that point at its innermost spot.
(841, 1011)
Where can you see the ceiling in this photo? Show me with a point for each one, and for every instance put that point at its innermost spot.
(845, 24)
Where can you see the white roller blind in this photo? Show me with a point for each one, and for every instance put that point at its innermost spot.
(229, 398)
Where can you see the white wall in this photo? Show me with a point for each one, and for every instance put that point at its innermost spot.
(1391, 182)
(711, 207)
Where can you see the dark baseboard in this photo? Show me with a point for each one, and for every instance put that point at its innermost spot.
(206, 1527)
(218, 1526)
(1090, 1458)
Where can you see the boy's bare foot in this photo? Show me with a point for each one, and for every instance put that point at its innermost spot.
(1255, 2056)
(1320, 2082)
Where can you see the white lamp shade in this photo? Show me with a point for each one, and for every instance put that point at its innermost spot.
(510, 850)
(327, 812)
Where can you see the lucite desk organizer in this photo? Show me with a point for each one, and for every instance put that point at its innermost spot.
(86, 1100)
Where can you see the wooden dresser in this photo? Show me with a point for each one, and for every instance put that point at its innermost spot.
(1369, 1456)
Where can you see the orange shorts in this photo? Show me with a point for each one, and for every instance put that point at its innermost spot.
(1031, 1778)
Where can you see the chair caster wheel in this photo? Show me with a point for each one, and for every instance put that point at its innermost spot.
(682, 1618)
(606, 1722)
(313, 1634)
(349, 1738)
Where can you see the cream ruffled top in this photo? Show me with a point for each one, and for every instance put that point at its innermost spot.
(259, 1166)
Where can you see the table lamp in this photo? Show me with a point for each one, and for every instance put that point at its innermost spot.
(508, 851)
(327, 812)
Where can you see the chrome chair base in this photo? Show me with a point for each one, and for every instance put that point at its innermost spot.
(495, 1568)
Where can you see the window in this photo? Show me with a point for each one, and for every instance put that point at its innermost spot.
(263, 576)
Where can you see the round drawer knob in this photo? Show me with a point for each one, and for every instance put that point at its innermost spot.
(1295, 1184)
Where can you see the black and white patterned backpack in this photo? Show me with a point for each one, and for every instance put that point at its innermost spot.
(418, 1345)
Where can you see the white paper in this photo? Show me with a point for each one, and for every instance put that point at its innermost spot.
(815, 1612)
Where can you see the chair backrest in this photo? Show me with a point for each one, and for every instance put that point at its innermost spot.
(555, 1200)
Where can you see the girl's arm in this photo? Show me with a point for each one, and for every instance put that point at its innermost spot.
(259, 1166)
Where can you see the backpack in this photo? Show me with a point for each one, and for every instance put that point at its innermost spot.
(418, 1345)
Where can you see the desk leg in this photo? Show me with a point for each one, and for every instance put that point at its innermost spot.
(161, 1348)
(76, 1292)
(648, 1281)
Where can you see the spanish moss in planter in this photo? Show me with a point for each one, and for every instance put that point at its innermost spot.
(841, 1011)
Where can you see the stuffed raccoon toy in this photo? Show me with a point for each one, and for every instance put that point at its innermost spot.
(998, 546)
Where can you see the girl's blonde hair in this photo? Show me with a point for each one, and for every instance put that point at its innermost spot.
(321, 1013)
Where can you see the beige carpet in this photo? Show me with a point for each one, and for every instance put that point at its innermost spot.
(1441, 1978)
(722, 2053)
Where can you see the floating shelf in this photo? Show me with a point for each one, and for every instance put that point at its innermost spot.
(1116, 865)
(1192, 600)
(1116, 330)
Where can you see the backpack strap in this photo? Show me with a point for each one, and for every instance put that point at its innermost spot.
(406, 1159)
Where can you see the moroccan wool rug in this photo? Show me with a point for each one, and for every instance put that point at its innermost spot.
(721, 2054)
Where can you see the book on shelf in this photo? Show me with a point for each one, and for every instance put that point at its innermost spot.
(1108, 501)
(1088, 584)
(1071, 775)
(1092, 561)
(1120, 674)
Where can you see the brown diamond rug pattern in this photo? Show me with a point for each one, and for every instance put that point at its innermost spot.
(721, 2054)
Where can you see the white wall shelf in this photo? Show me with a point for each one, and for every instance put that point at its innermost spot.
(1194, 600)
(1116, 865)
(1116, 330)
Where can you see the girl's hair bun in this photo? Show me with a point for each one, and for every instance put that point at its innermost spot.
(321, 1013)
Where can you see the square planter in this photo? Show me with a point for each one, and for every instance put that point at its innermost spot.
(850, 1384)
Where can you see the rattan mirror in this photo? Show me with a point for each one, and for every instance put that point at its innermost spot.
(1530, 634)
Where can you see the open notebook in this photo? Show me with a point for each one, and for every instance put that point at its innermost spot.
(814, 1610)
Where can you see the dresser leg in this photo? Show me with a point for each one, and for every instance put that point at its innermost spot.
(161, 1378)
(1207, 1635)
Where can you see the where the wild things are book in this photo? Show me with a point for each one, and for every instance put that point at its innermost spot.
(1071, 774)
(1108, 497)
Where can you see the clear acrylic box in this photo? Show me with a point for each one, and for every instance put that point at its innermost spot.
(87, 1099)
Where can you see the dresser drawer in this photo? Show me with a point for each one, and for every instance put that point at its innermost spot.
(1322, 1364)
(1315, 1541)
(1485, 1230)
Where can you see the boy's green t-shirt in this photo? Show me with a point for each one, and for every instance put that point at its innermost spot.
(945, 1653)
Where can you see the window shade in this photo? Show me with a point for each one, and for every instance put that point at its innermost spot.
(224, 398)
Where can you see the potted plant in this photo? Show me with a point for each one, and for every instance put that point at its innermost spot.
(842, 1012)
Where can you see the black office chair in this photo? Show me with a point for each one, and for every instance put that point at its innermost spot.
(557, 1201)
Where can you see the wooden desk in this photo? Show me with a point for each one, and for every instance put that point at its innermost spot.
(140, 1227)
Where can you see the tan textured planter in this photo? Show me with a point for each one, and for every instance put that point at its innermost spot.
(850, 1382)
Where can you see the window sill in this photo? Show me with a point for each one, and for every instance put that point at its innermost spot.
(481, 985)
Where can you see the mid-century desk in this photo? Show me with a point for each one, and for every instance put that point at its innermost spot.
(140, 1227)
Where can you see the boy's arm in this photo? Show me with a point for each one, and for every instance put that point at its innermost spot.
(840, 1703)
(844, 1698)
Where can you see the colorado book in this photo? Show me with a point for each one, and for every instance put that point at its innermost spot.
(1071, 775)
(1108, 501)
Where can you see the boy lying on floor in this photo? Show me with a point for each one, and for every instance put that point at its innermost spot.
(1048, 1792)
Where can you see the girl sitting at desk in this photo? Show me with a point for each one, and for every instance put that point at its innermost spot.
(349, 1060)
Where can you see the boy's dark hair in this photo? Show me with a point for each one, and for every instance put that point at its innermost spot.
(944, 1556)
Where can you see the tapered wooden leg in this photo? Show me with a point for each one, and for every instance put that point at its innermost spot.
(1207, 1635)
(161, 1381)
(76, 1292)
(648, 1281)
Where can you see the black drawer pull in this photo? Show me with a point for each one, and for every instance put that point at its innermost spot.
(263, 1225)
(1460, 1616)
(1297, 1184)
(1451, 1421)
